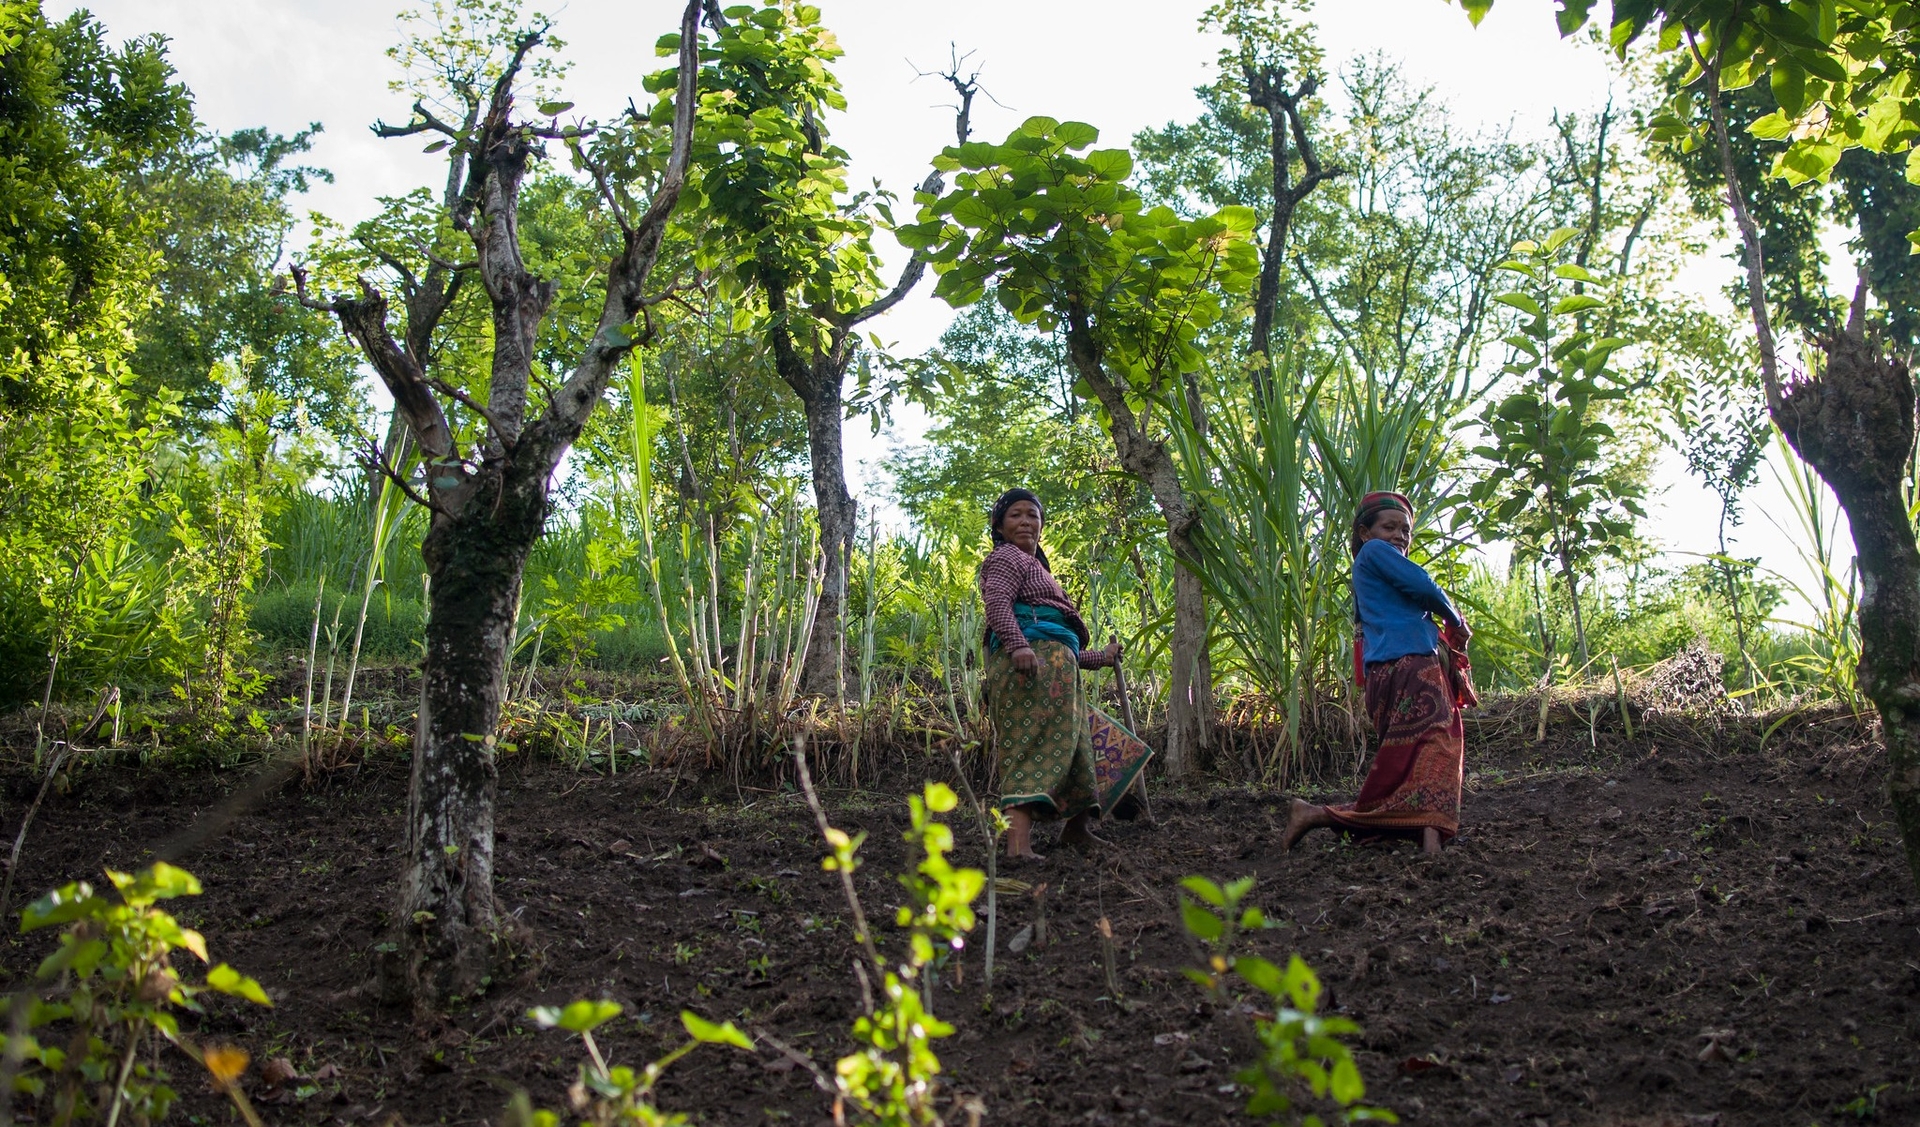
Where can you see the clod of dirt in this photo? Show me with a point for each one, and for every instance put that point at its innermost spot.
(279, 1072)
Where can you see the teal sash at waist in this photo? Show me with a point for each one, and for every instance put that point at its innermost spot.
(1039, 624)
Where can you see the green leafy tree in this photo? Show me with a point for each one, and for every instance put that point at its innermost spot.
(1720, 427)
(772, 189)
(1064, 244)
(219, 297)
(486, 481)
(79, 117)
(1002, 396)
(214, 498)
(1551, 486)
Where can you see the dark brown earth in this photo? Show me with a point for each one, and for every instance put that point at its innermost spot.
(1681, 929)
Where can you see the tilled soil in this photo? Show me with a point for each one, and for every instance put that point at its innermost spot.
(1679, 929)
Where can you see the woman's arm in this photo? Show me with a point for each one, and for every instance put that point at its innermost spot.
(999, 582)
(1408, 578)
(1100, 659)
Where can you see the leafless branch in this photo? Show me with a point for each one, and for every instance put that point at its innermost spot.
(377, 458)
(965, 87)
(916, 267)
(299, 272)
(467, 401)
(606, 189)
(423, 122)
(430, 255)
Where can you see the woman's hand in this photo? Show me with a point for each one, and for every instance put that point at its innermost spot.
(1111, 654)
(1026, 661)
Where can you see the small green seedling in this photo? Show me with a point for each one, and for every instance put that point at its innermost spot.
(1300, 1051)
(105, 993)
(609, 1094)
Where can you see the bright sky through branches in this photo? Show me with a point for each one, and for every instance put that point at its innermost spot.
(1120, 66)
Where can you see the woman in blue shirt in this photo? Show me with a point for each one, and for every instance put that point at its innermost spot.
(1413, 789)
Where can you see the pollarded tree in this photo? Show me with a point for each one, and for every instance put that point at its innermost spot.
(774, 187)
(1063, 243)
(491, 445)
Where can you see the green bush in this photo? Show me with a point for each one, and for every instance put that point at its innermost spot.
(396, 623)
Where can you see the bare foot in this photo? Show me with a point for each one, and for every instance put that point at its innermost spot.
(1027, 858)
(1076, 833)
(1430, 841)
(1303, 816)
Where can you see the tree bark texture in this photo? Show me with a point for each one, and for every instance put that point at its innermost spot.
(474, 560)
(488, 502)
(838, 515)
(1190, 697)
(1854, 423)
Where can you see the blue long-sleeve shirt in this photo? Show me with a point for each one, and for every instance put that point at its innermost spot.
(1395, 596)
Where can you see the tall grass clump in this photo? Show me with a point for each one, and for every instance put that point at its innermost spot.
(1279, 471)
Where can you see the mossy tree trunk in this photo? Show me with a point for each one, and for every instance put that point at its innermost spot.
(489, 499)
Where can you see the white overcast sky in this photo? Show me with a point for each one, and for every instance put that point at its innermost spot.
(1121, 65)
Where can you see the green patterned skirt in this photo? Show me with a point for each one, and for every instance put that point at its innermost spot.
(1040, 731)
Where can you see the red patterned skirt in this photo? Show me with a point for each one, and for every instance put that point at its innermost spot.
(1416, 775)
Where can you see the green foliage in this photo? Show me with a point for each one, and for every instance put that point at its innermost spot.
(1552, 487)
(579, 604)
(79, 116)
(892, 1079)
(767, 175)
(105, 993)
(1842, 73)
(218, 300)
(216, 505)
(1063, 240)
(1278, 472)
(76, 270)
(1301, 1051)
(614, 1094)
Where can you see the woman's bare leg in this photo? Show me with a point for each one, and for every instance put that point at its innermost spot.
(1430, 841)
(1020, 834)
(1302, 817)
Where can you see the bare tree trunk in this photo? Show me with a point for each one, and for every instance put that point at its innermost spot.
(825, 672)
(1190, 712)
(1190, 701)
(1266, 89)
(1579, 620)
(1734, 603)
(488, 498)
(1854, 423)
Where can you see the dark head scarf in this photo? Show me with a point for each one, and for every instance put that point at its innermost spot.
(1371, 506)
(1000, 508)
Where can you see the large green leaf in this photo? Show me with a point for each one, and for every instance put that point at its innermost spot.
(1111, 164)
(1076, 134)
